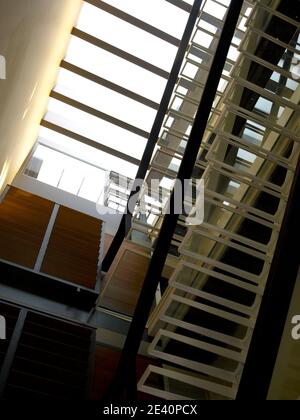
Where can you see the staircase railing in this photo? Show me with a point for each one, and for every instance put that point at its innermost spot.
(203, 326)
(125, 376)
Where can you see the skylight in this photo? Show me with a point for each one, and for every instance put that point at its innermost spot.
(109, 87)
(115, 69)
(105, 100)
(95, 128)
(127, 37)
(67, 173)
(107, 93)
(169, 18)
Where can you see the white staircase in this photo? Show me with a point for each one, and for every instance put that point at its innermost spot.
(203, 325)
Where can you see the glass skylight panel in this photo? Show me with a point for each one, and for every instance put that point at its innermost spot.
(203, 39)
(87, 154)
(175, 164)
(105, 100)
(222, 85)
(215, 9)
(242, 25)
(166, 183)
(127, 37)
(264, 105)
(201, 56)
(275, 77)
(190, 70)
(208, 26)
(158, 13)
(252, 136)
(115, 69)
(293, 84)
(233, 54)
(95, 128)
(246, 156)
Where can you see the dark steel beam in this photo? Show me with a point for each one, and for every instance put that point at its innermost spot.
(134, 21)
(275, 304)
(125, 223)
(153, 276)
(120, 53)
(88, 142)
(181, 4)
(110, 85)
(41, 285)
(99, 114)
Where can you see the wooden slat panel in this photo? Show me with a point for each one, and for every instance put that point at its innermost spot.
(73, 249)
(125, 279)
(121, 286)
(23, 221)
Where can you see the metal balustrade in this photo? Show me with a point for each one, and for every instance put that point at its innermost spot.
(182, 109)
(203, 325)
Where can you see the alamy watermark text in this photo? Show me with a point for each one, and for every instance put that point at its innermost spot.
(296, 328)
(2, 68)
(2, 328)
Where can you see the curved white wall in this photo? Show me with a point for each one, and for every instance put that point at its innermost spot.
(33, 38)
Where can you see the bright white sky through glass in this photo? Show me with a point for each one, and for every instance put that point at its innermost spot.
(105, 100)
(108, 28)
(69, 174)
(95, 128)
(88, 154)
(115, 69)
(127, 37)
(170, 19)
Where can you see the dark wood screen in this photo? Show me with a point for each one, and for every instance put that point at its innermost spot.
(23, 222)
(73, 249)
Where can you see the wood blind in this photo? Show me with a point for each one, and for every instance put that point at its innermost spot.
(23, 222)
(73, 249)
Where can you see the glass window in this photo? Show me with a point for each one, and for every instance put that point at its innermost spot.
(215, 9)
(95, 128)
(203, 39)
(115, 69)
(125, 36)
(85, 153)
(66, 173)
(158, 13)
(264, 105)
(105, 100)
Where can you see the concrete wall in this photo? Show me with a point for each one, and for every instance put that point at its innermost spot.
(33, 38)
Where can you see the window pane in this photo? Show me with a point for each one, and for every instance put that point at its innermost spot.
(67, 173)
(158, 13)
(95, 128)
(127, 37)
(115, 69)
(215, 9)
(105, 100)
(87, 154)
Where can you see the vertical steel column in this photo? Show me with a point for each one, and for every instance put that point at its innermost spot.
(91, 365)
(125, 223)
(128, 357)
